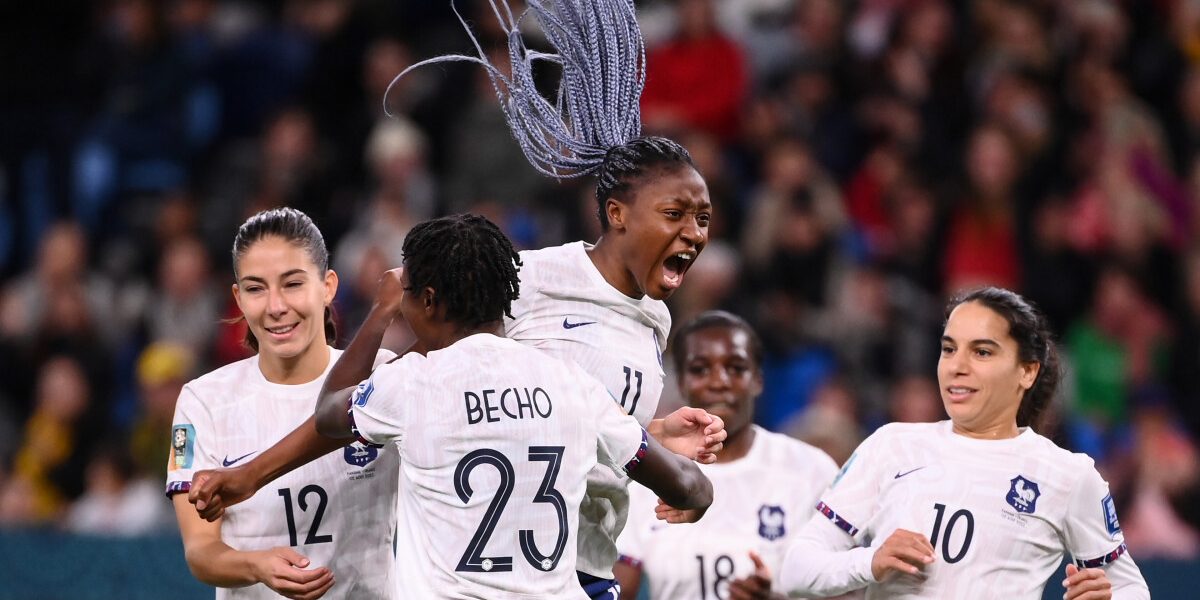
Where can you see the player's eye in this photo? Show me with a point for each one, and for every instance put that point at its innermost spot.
(984, 352)
(252, 289)
(703, 219)
(673, 214)
(947, 350)
(293, 284)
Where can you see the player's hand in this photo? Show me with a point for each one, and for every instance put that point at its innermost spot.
(904, 552)
(390, 292)
(1086, 584)
(670, 514)
(215, 490)
(754, 587)
(692, 432)
(285, 571)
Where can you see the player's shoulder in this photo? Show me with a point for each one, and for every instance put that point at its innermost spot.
(907, 431)
(214, 383)
(1044, 449)
(545, 262)
(780, 448)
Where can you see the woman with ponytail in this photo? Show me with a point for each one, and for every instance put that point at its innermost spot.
(331, 520)
(600, 304)
(981, 505)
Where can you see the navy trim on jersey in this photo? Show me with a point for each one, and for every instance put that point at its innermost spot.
(597, 588)
(1103, 560)
(639, 455)
(176, 487)
(837, 519)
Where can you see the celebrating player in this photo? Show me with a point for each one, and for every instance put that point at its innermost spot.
(332, 518)
(496, 438)
(979, 506)
(600, 305)
(764, 484)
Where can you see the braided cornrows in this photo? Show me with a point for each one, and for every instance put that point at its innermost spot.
(469, 263)
(603, 61)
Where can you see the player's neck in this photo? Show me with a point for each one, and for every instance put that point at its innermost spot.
(450, 333)
(295, 370)
(607, 259)
(993, 431)
(738, 445)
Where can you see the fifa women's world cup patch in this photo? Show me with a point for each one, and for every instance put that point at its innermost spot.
(1110, 516)
(183, 447)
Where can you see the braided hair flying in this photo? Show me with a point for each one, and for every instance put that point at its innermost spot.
(594, 124)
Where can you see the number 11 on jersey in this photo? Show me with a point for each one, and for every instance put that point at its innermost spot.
(630, 376)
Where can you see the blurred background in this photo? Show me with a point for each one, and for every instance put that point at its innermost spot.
(865, 158)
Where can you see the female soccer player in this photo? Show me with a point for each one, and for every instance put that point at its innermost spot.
(496, 438)
(331, 519)
(979, 506)
(764, 484)
(601, 306)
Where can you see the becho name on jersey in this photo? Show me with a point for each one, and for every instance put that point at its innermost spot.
(513, 403)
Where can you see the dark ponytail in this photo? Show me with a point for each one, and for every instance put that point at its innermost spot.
(1028, 326)
(296, 228)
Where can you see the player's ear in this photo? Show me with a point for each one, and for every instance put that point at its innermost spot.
(429, 300)
(616, 211)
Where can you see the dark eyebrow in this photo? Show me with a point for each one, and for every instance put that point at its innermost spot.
(979, 342)
(257, 279)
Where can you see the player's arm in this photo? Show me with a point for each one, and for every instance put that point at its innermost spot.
(214, 562)
(329, 429)
(1103, 567)
(675, 479)
(629, 575)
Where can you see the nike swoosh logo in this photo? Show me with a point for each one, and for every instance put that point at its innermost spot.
(226, 462)
(567, 325)
(899, 474)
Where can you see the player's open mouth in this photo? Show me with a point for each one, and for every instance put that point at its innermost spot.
(675, 266)
(958, 393)
(282, 330)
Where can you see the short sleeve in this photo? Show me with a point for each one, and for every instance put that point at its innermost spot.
(620, 440)
(194, 442)
(850, 501)
(1093, 532)
(379, 406)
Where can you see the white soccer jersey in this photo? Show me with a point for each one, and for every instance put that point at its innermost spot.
(999, 513)
(496, 440)
(759, 502)
(569, 310)
(339, 510)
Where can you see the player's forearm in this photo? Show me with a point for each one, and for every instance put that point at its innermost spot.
(675, 479)
(300, 447)
(812, 570)
(356, 362)
(216, 564)
(1126, 579)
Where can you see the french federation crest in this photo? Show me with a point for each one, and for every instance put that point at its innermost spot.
(359, 454)
(1023, 495)
(771, 522)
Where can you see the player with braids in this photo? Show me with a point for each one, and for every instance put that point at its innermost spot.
(480, 271)
(601, 305)
(981, 505)
(468, 399)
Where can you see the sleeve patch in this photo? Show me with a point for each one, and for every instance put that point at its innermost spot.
(639, 455)
(837, 519)
(363, 393)
(176, 487)
(1103, 560)
(1110, 515)
(183, 447)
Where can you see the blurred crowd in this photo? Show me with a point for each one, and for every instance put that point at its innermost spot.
(865, 158)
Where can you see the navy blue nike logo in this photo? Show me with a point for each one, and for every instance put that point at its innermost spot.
(567, 325)
(899, 474)
(226, 462)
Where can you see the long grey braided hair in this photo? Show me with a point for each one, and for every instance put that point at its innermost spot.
(593, 126)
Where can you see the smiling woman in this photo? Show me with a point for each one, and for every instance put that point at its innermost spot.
(977, 506)
(294, 539)
(764, 483)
